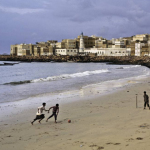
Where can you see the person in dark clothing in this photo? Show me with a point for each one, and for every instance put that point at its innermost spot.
(54, 113)
(146, 100)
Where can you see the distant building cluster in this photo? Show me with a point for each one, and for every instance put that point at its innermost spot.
(138, 45)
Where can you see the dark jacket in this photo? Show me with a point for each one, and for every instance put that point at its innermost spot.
(146, 98)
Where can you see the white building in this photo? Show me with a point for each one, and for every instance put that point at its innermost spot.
(70, 52)
(119, 43)
(109, 51)
(138, 48)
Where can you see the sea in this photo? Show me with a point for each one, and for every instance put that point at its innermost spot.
(56, 82)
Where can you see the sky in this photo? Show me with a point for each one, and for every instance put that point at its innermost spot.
(32, 21)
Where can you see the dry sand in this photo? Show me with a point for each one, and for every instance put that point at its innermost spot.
(110, 122)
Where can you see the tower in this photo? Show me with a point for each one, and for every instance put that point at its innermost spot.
(81, 48)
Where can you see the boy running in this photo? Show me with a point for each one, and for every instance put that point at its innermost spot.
(54, 113)
(39, 115)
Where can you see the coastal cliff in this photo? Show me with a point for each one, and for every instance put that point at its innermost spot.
(134, 60)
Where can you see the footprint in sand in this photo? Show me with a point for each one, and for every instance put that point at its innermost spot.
(139, 138)
(100, 148)
(93, 145)
(116, 143)
(145, 126)
(9, 136)
(131, 139)
(113, 143)
(109, 143)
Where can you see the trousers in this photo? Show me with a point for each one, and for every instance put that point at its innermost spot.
(53, 114)
(146, 103)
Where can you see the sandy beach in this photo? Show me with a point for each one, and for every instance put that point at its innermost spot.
(109, 122)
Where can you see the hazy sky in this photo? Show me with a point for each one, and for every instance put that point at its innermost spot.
(31, 21)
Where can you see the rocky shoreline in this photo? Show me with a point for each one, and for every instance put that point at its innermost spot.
(133, 60)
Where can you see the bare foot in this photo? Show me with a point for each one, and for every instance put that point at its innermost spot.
(39, 122)
(32, 123)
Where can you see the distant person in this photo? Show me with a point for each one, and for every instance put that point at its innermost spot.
(39, 115)
(55, 112)
(146, 100)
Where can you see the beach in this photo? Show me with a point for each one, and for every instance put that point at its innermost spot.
(110, 121)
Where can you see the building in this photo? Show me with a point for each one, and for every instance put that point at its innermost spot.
(141, 37)
(142, 49)
(68, 44)
(119, 44)
(47, 51)
(21, 49)
(138, 48)
(43, 51)
(109, 51)
(37, 51)
(138, 45)
(58, 45)
(89, 42)
(145, 51)
(40, 49)
(70, 52)
(131, 45)
(101, 43)
(44, 48)
(13, 50)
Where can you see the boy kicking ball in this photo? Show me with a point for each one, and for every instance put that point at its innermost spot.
(39, 115)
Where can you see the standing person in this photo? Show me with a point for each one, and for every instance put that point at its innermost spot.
(39, 115)
(54, 113)
(146, 100)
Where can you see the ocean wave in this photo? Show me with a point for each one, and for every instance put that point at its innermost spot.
(60, 77)
(132, 66)
(18, 82)
(67, 76)
(129, 67)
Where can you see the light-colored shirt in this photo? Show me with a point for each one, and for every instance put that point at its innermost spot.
(40, 110)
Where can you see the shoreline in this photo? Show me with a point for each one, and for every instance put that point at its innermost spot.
(95, 89)
(90, 91)
(94, 122)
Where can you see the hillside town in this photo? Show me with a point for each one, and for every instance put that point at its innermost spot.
(138, 45)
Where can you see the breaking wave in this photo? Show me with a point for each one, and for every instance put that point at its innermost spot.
(129, 67)
(132, 66)
(67, 76)
(60, 77)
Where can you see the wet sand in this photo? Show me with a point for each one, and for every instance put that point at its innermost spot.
(109, 122)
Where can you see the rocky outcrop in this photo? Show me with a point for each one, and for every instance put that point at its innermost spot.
(145, 61)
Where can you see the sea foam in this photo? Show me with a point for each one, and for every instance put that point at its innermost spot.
(67, 76)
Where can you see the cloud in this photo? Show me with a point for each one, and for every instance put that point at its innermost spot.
(60, 19)
(32, 4)
(20, 11)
